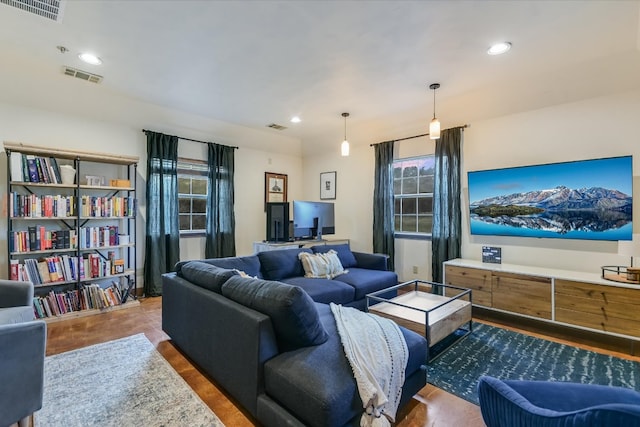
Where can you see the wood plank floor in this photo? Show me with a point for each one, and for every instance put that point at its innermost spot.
(431, 407)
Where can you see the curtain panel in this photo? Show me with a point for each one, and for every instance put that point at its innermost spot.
(446, 233)
(162, 242)
(383, 221)
(221, 223)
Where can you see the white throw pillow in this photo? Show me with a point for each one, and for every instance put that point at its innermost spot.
(322, 265)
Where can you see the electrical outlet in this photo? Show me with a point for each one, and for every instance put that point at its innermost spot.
(415, 269)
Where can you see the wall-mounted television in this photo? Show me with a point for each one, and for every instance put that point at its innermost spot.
(586, 199)
(312, 219)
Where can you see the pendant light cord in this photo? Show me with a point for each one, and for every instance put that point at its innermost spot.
(434, 86)
(345, 115)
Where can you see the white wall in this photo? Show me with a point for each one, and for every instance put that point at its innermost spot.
(599, 127)
(354, 192)
(594, 128)
(123, 135)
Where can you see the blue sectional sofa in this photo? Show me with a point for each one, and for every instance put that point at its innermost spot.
(271, 340)
(367, 273)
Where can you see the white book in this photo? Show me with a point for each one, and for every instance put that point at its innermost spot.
(16, 167)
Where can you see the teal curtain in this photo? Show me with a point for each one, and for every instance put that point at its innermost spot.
(221, 223)
(162, 243)
(383, 221)
(446, 234)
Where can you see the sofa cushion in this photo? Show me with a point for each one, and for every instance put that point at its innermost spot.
(282, 263)
(347, 259)
(249, 264)
(293, 314)
(316, 384)
(206, 275)
(20, 314)
(324, 290)
(366, 281)
(322, 265)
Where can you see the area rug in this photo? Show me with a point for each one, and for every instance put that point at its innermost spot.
(125, 382)
(510, 355)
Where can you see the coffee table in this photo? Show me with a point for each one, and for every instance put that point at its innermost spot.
(440, 319)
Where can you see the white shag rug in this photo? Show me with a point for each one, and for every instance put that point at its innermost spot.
(125, 382)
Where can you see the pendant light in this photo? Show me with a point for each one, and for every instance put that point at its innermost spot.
(434, 126)
(344, 148)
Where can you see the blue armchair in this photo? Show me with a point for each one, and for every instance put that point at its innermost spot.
(511, 403)
(22, 351)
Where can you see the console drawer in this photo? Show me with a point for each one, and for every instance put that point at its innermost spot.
(479, 281)
(530, 295)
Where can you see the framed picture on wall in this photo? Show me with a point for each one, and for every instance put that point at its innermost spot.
(275, 187)
(328, 185)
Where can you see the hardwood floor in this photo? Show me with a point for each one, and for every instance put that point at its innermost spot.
(431, 407)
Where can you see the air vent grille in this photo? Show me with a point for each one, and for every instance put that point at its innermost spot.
(82, 75)
(276, 126)
(50, 9)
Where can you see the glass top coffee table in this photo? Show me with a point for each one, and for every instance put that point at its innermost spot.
(442, 320)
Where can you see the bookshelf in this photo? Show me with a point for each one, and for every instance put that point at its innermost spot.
(71, 228)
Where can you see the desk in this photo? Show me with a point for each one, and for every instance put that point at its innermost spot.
(273, 246)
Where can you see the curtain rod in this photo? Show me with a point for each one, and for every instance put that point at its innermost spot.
(189, 139)
(416, 136)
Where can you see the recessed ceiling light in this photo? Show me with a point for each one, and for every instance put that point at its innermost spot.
(90, 58)
(295, 119)
(499, 48)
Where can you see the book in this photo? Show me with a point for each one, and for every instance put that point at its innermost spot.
(33, 239)
(118, 266)
(14, 268)
(55, 169)
(17, 174)
(43, 270)
(33, 169)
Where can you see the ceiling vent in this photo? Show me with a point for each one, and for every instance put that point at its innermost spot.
(82, 75)
(276, 126)
(50, 9)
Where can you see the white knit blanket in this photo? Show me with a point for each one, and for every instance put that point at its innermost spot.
(377, 353)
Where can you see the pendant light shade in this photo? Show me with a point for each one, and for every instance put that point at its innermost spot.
(434, 126)
(344, 148)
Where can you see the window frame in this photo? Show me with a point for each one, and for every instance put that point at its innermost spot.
(417, 235)
(192, 168)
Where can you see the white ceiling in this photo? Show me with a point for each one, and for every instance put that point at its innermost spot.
(253, 63)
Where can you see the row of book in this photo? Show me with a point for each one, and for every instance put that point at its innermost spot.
(90, 296)
(41, 206)
(100, 236)
(31, 168)
(38, 238)
(104, 207)
(66, 268)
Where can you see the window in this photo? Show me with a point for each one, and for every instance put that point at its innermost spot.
(413, 195)
(192, 196)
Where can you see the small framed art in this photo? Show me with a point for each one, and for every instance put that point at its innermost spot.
(328, 185)
(275, 187)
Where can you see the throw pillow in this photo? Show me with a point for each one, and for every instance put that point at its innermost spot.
(322, 265)
(281, 264)
(206, 275)
(344, 253)
(293, 313)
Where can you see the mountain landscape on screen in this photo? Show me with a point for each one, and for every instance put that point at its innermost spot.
(558, 210)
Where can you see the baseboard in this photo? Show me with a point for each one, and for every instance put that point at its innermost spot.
(578, 336)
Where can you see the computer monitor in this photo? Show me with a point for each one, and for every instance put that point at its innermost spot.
(278, 222)
(313, 219)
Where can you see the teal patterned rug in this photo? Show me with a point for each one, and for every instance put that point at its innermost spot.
(119, 383)
(506, 354)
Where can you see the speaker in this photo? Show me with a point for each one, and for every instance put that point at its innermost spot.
(278, 222)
